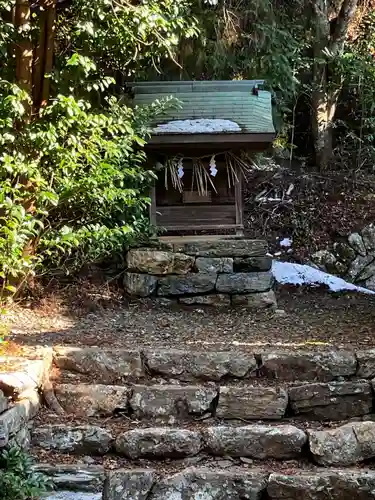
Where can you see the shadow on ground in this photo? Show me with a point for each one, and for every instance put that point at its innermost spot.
(310, 317)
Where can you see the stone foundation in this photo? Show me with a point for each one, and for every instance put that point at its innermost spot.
(217, 273)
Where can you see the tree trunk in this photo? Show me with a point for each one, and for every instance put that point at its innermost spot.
(322, 130)
(326, 90)
(43, 57)
(39, 61)
(24, 50)
(49, 49)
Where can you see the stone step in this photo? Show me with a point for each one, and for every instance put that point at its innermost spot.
(233, 483)
(74, 482)
(122, 365)
(254, 441)
(248, 400)
(181, 384)
(345, 445)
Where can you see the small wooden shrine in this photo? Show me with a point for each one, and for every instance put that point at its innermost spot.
(202, 148)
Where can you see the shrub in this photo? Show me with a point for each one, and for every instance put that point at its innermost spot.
(18, 479)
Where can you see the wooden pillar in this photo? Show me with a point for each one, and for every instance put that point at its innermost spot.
(239, 204)
(152, 209)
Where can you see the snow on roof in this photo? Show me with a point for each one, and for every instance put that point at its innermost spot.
(200, 126)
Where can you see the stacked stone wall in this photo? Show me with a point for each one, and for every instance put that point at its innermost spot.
(221, 273)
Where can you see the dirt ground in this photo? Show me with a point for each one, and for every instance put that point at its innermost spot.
(318, 210)
(314, 318)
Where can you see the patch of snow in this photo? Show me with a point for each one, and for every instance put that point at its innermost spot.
(200, 126)
(286, 242)
(289, 273)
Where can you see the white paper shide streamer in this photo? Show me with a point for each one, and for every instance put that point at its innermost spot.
(212, 165)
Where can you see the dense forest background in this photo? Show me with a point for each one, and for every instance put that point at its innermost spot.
(73, 186)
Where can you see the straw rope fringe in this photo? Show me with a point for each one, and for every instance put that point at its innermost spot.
(202, 181)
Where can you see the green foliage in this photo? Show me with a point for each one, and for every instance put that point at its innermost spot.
(73, 179)
(82, 189)
(126, 36)
(18, 480)
(356, 123)
(4, 332)
(247, 40)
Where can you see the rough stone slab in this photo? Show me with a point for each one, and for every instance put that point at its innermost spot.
(26, 379)
(332, 400)
(79, 439)
(366, 363)
(214, 264)
(345, 445)
(158, 443)
(29, 375)
(255, 441)
(74, 477)
(252, 264)
(224, 248)
(171, 401)
(358, 265)
(311, 366)
(139, 285)
(188, 284)
(92, 400)
(3, 402)
(215, 299)
(22, 438)
(107, 365)
(368, 237)
(356, 242)
(255, 301)
(344, 252)
(252, 403)
(370, 283)
(237, 283)
(367, 273)
(14, 419)
(205, 365)
(323, 485)
(326, 261)
(158, 262)
(125, 484)
(206, 484)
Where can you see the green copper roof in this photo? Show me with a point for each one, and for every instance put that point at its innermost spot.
(226, 100)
